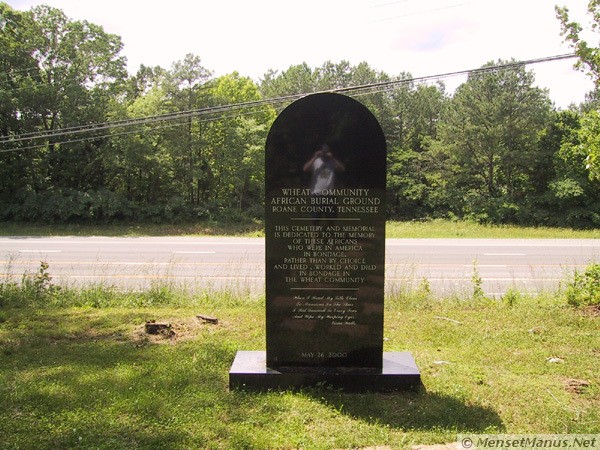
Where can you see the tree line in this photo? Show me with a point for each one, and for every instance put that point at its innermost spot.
(496, 150)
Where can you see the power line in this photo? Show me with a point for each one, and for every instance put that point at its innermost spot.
(211, 113)
(141, 121)
(222, 108)
(372, 87)
(129, 132)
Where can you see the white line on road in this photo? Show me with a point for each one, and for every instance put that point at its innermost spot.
(132, 241)
(40, 251)
(432, 242)
(504, 254)
(484, 265)
(193, 253)
(135, 277)
(17, 263)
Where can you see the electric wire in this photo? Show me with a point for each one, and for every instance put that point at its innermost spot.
(217, 109)
(144, 120)
(138, 130)
(214, 112)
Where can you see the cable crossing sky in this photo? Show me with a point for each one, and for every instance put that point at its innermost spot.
(27, 141)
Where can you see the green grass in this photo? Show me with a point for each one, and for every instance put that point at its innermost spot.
(462, 229)
(77, 371)
(395, 229)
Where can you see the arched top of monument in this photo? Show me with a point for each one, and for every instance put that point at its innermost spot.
(346, 127)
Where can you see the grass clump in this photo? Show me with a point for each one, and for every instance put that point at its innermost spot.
(33, 289)
(584, 289)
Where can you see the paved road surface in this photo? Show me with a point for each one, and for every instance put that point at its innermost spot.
(238, 263)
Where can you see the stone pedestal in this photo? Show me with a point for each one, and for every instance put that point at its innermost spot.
(250, 372)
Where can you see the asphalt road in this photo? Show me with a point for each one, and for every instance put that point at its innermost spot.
(238, 263)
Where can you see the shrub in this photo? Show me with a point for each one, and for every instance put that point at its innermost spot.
(35, 289)
(584, 289)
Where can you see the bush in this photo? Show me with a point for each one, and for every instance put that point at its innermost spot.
(584, 289)
(35, 289)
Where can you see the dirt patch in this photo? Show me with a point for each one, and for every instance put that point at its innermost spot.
(180, 330)
(592, 310)
(575, 386)
(163, 329)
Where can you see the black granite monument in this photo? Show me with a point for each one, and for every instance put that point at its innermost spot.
(325, 254)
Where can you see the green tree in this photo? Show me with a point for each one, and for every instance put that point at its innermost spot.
(63, 73)
(79, 72)
(589, 135)
(17, 74)
(205, 165)
(235, 144)
(490, 137)
(297, 79)
(144, 80)
(412, 184)
(565, 195)
(302, 79)
(17, 68)
(589, 62)
(139, 164)
(186, 89)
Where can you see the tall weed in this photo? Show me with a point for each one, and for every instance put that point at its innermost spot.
(35, 289)
(584, 288)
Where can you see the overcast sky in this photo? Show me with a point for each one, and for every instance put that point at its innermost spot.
(423, 37)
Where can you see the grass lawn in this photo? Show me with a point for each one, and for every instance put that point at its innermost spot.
(460, 229)
(395, 229)
(79, 376)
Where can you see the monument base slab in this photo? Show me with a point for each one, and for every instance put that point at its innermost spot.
(249, 371)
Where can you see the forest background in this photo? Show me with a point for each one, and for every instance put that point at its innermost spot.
(82, 141)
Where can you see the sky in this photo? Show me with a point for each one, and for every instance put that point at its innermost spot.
(422, 37)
